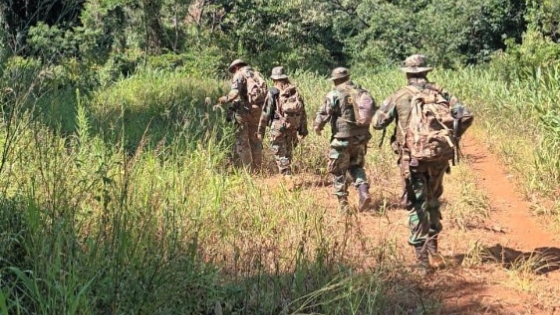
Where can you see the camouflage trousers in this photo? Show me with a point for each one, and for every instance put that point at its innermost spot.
(283, 142)
(248, 148)
(424, 187)
(347, 155)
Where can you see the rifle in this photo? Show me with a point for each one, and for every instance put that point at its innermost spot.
(382, 137)
(456, 130)
(274, 92)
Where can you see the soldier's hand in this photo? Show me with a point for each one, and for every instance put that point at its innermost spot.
(259, 136)
(222, 99)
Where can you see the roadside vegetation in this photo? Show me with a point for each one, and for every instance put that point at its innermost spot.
(117, 191)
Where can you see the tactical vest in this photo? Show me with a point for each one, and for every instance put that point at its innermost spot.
(344, 125)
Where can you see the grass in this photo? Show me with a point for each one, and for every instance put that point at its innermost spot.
(128, 207)
(134, 212)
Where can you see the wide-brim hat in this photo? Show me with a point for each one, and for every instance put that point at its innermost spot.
(416, 64)
(278, 73)
(279, 77)
(416, 69)
(339, 73)
(236, 62)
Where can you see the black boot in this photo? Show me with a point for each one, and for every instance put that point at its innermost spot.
(365, 198)
(423, 260)
(436, 260)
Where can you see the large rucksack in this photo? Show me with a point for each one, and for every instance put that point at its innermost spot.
(256, 86)
(429, 136)
(362, 103)
(290, 107)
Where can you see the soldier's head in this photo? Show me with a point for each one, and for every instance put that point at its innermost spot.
(279, 76)
(340, 75)
(415, 66)
(236, 64)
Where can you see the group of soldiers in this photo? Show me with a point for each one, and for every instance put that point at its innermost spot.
(283, 111)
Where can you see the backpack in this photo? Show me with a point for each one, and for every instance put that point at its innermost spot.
(256, 86)
(290, 107)
(362, 103)
(429, 136)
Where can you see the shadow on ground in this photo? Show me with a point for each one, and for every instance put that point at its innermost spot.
(540, 261)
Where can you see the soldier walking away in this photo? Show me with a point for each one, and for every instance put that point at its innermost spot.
(246, 98)
(430, 122)
(349, 108)
(284, 112)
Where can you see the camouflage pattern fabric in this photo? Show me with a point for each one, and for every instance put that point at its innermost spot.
(425, 185)
(422, 181)
(248, 148)
(348, 156)
(348, 146)
(283, 141)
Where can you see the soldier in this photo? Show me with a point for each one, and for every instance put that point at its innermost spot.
(248, 90)
(284, 112)
(422, 181)
(349, 137)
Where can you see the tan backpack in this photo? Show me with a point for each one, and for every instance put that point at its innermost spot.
(256, 86)
(429, 136)
(290, 107)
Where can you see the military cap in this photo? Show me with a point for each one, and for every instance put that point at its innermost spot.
(339, 73)
(278, 73)
(236, 62)
(416, 64)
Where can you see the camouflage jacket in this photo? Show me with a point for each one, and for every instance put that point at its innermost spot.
(332, 110)
(397, 107)
(270, 115)
(237, 95)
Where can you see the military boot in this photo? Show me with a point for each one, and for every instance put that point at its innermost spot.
(423, 265)
(436, 260)
(365, 198)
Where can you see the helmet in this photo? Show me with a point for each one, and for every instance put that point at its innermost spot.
(416, 64)
(339, 73)
(236, 62)
(278, 73)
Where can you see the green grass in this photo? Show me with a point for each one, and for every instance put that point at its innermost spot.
(131, 209)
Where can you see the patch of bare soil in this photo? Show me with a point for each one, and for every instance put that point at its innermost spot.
(508, 264)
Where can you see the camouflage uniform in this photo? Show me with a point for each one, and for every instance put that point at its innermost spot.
(283, 140)
(422, 181)
(247, 146)
(348, 141)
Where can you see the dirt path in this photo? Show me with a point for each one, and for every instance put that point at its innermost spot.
(509, 211)
(506, 264)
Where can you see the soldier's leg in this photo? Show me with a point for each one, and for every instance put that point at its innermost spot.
(338, 166)
(279, 147)
(418, 219)
(242, 146)
(435, 190)
(255, 143)
(358, 174)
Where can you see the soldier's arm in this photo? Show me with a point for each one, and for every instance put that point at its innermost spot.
(385, 114)
(325, 112)
(237, 84)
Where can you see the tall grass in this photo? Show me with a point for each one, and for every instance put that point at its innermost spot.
(134, 213)
(518, 120)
